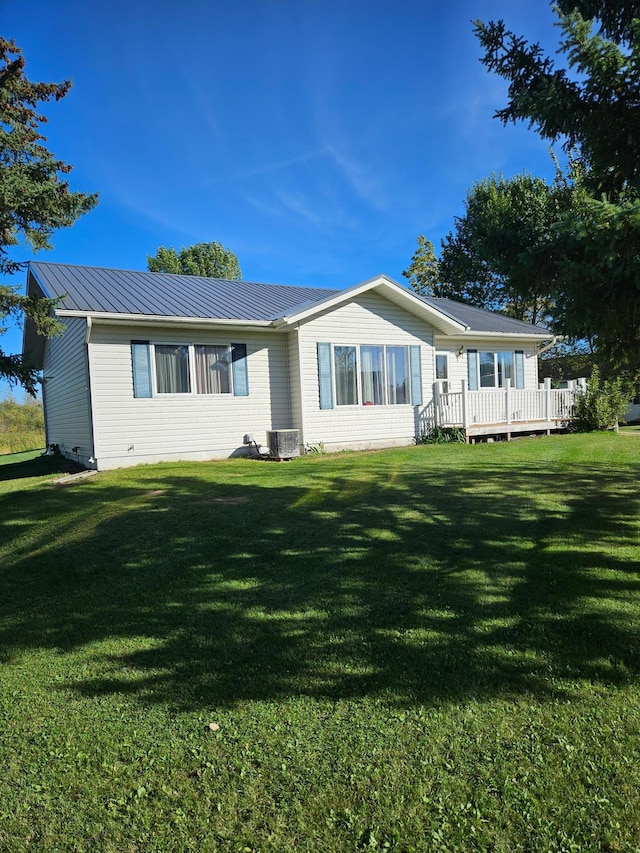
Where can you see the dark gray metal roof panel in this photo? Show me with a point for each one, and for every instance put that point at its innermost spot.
(95, 289)
(480, 320)
(101, 290)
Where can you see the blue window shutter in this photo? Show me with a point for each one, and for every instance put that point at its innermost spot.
(416, 375)
(519, 368)
(239, 370)
(141, 368)
(472, 367)
(325, 376)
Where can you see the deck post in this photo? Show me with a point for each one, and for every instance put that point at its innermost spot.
(465, 405)
(507, 400)
(547, 398)
(436, 403)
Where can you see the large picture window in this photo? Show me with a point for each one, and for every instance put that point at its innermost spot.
(213, 369)
(172, 369)
(368, 375)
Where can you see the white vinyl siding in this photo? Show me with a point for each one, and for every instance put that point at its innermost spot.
(132, 430)
(66, 390)
(361, 323)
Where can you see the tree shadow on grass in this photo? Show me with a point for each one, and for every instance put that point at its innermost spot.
(420, 588)
(38, 466)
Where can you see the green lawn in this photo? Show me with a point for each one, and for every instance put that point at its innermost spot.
(427, 649)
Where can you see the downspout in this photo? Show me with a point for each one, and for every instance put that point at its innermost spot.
(92, 438)
(554, 341)
(300, 388)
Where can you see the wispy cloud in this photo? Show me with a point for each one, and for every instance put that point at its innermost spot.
(269, 168)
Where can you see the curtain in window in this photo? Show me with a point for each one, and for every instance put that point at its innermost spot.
(172, 369)
(397, 375)
(346, 375)
(212, 369)
(371, 371)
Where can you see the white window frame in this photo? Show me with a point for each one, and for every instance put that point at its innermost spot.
(193, 379)
(496, 375)
(446, 380)
(359, 402)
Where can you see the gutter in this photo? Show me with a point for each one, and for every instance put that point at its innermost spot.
(160, 320)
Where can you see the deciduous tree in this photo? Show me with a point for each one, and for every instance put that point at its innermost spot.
(205, 259)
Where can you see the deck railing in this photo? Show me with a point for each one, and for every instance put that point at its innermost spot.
(499, 405)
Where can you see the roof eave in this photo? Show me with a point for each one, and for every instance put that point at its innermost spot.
(530, 336)
(111, 318)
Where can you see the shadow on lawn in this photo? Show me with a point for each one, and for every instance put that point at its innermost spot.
(419, 588)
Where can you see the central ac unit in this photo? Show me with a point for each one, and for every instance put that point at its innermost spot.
(283, 443)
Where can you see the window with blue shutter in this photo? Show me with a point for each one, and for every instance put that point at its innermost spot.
(416, 375)
(239, 370)
(141, 368)
(325, 376)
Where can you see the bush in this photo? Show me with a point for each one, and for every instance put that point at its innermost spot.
(442, 435)
(603, 405)
(21, 426)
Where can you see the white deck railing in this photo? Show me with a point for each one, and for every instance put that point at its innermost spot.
(499, 406)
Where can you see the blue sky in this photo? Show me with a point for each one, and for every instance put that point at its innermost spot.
(314, 139)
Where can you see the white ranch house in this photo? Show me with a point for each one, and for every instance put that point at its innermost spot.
(157, 367)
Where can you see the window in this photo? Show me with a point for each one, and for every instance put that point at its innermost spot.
(372, 375)
(172, 369)
(442, 370)
(505, 368)
(213, 369)
(346, 375)
(487, 370)
(492, 369)
(397, 375)
(189, 369)
(368, 375)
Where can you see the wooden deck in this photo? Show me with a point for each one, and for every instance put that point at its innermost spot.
(504, 432)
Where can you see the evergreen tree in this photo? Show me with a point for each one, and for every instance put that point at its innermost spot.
(35, 198)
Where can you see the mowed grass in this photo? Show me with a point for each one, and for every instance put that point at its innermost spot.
(424, 649)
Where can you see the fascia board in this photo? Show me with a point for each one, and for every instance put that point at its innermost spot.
(504, 337)
(32, 273)
(530, 336)
(396, 292)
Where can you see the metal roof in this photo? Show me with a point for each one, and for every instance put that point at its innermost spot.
(109, 291)
(100, 290)
(480, 320)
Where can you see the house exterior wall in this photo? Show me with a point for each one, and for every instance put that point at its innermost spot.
(368, 319)
(166, 427)
(293, 352)
(66, 392)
